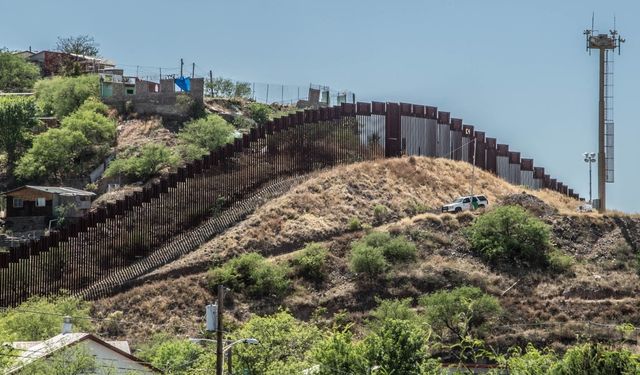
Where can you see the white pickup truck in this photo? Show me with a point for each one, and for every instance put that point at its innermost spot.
(470, 202)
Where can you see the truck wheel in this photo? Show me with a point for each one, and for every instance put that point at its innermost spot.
(458, 209)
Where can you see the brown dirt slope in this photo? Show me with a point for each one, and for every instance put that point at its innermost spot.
(601, 286)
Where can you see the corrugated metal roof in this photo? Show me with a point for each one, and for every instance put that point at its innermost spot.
(61, 190)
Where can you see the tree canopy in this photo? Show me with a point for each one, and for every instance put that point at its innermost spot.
(61, 96)
(16, 73)
(17, 117)
(80, 45)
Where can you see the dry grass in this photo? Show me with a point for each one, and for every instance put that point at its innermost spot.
(137, 133)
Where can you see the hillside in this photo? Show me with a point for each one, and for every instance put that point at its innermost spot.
(601, 286)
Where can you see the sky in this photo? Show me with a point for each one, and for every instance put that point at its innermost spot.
(517, 70)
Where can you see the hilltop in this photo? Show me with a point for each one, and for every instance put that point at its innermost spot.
(600, 286)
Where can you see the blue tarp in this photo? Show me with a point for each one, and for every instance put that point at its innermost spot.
(184, 83)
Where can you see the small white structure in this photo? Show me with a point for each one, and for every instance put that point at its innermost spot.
(113, 355)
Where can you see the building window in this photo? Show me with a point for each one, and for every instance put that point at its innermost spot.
(18, 203)
(131, 91)
(41, 202)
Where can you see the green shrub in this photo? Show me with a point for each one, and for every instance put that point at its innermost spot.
(206, 133)
(18, 325)
(54, 155)
(242, 90)
(339, 353)
(355, 224)
(60, 96)
(152, 159)
(251, 274)
(311, 263)
(368, 260)
(16, 74)
(93, 104)
(97, 128)
(397, 347)
(260, 113)
(510, 234)
(380, 212)
(461, 311)
(173, 355)
(241, 122)
(596, 359)
(394, 249)
(530, 362)
(399, 309)
(559, 262)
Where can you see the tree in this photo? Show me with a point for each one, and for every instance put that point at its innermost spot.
(283, 344)
(16, 74)
(61, 96)
(97, 128)
(260, 113)
(510, 234)
(174, 356)
(206, 134)
(17, 324)
(461, 311)
(338, 353)
(221, 87)
(17, 117)
(242, 90)
(397, 346)
(55, 154)
(152, 158)
(83, 45)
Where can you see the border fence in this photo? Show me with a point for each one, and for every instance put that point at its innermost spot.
(125, 233)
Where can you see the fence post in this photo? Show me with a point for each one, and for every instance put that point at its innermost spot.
(392, 131)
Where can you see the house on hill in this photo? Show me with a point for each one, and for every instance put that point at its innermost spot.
(30, 208)
(53, 63)
(113, 356)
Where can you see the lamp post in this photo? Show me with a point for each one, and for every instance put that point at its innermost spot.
(589, 157)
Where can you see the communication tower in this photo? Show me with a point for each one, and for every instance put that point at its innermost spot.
(604, 43)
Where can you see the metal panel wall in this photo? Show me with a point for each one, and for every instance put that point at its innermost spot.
(514, 168)
(456, 139)
(371, 129)
(526, 173)
(467, 143)
(502, 161)
(480, 147)
(538, 177)
(431, 126)
(491, 155)
(414, 135)
(392, 131)
(443, 143)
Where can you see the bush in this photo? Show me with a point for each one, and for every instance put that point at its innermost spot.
(338, 353)
(461, 311)
(510, 234)
(311, 263)
(152, 159)
(97, 128)
(355, 224)
(16, 325)
(242, 90)
(61, 96)
(394, 249)
(397, 347)
(260, 113)
(251, 274)
(207, 133)
(399, 309)
(241, 122)
(380, 212)
(368, 260)
(531, 362)
(284, 344)
(16, 74)
(172, 355)
(93, 104)
(596, 359)
(54, 155)
(559, 262)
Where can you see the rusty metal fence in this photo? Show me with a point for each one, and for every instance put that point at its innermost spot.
(125, 234)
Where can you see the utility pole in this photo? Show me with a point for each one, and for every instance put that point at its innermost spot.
(219, 336)
(604, 43)
(160, 73)
(473, 168)
(211, 81)
(181, 66)
(137, 70)
(193, 70)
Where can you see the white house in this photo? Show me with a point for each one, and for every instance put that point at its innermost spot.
(113, 355)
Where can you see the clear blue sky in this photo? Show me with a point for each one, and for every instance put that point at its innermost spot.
(517, 70)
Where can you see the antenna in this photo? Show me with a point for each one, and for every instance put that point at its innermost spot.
(605, 43)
